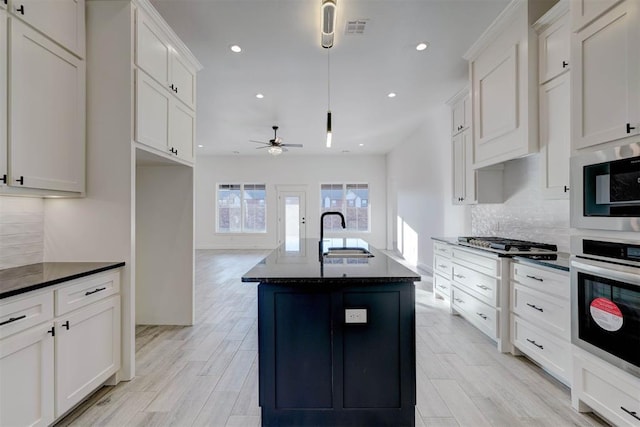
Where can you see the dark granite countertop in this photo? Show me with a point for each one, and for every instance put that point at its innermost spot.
(300, 264)
(559, 261)
(18, 280)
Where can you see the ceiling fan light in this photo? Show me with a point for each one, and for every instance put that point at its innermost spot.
(275, 150)
(328, 22)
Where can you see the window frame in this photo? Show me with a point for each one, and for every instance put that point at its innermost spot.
(242, 209)
(344, 185)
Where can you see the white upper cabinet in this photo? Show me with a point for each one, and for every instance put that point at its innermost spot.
(585, 11)
(605, 81)
(182, 126)
(3, 97)
(3, 4)
(459, 168)
(60, 20)
(46, 114)
(503, 69)
(553, 43)
(461, 115)
(156, 55)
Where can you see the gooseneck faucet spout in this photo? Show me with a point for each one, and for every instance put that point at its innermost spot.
(344, 225)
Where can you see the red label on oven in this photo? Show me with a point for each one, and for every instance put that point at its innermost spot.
(606, 314)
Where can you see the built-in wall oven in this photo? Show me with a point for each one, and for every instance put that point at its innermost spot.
(605, 189)
(605, 282)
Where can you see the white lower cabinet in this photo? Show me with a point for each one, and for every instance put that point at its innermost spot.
(605, 389)
(478, 294)
(50, 360)
(442, 270)
(96, 331)
(27, 377)
(540, 317)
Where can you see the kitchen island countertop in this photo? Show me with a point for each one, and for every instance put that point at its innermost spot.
(26, 278)
(300, 264)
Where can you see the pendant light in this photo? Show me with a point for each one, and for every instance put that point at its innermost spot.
(327, 32)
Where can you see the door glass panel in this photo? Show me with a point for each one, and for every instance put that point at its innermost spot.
(292, 223)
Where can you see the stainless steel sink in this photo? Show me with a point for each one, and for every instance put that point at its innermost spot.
(342, 252)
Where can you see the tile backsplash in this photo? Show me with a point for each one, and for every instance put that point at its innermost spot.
(21, 231)
(525, 214)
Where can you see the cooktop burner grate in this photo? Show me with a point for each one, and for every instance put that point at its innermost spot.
(504, 244)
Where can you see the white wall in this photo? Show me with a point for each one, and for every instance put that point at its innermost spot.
(419, 187)
(286, 170)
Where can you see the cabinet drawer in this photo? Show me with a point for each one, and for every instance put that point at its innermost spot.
(607, 392)
(484, 287)
(552, 353)
(441, 285)
(478, 313)
(442, 265)
(84, 291)
(548, 312)
(442, 249)
(22, 312)
(486, 265)
(541, 279)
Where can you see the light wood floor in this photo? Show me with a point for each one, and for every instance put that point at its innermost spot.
(207, 375)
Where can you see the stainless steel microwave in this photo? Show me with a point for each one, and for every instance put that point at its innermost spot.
(605, 189)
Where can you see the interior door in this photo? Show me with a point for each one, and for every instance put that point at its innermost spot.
(291, 217)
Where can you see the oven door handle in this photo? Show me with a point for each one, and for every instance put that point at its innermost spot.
(608, 270)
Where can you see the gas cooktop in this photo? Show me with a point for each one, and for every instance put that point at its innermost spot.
(507, 246)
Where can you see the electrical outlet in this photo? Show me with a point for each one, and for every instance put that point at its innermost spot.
(355, 315)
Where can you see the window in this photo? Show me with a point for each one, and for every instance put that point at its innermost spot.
(242, 208)
(350, 199)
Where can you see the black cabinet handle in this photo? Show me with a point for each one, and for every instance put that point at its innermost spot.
(52, 331)
(176, 89)
(20, 10)
(171, 86)
(13, 319)
(4, 178)
(535, 307)
(566, 188)
(93, 292)
(634, 414)
(630, 128)
(541, 347)
(21, 180)
(535, 278)
(66, 325)
(482, 315)
(565, 64)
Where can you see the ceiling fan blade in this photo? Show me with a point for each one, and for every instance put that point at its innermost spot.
(259, 142)
(291, 145)
(266, 146)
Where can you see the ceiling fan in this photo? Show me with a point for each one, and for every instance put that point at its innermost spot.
(275, 145)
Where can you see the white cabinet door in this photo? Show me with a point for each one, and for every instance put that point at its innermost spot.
(47, 113)
(606, 78)
(459, 170)
(555, 147)
(152, 49)
(585, 11)
(26, 378)
(553, 44)
(183, 81)
(3, 4)
(4, 173)
(182, 126)
(152, 113)
(87, 351)
(61, 20)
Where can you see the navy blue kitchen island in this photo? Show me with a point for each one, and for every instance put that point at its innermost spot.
(336, 337)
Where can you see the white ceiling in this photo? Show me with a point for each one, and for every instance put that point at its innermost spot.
(282, 58)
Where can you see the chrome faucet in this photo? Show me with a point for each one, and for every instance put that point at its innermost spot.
(344, 225)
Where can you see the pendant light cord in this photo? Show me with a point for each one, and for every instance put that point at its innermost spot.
(328, 79)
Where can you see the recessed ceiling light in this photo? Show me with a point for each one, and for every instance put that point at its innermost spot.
(235, 48)
(422, 46)
(361, 145)
(259, 95)
(391, 95)
(200, 145)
